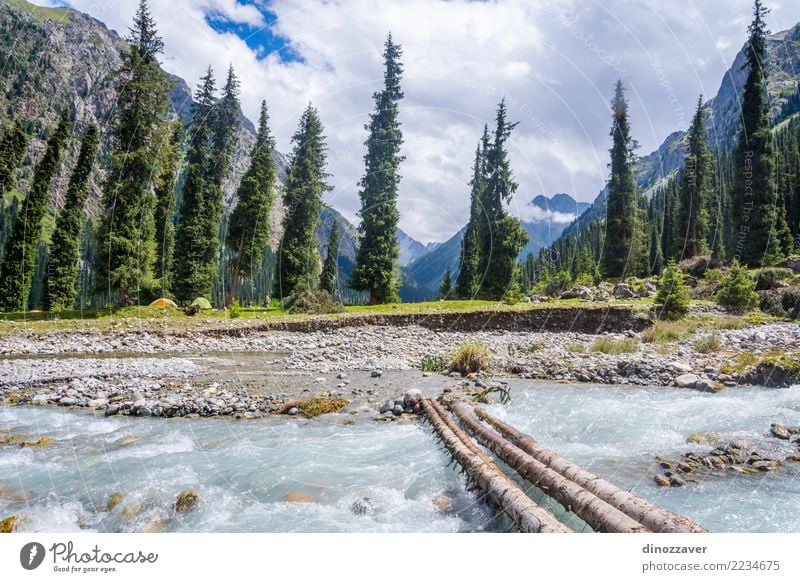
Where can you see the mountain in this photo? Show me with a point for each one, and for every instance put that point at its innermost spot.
(544, 219)
(722, 118)
(411, 249)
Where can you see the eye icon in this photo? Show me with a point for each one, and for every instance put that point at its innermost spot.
(31, 555)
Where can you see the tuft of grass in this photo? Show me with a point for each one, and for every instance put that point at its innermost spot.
(576, 348)
(234, 309)
(726, 322)
(317, 406)
(743, 360)
(530, 349)
(707, 344)
(471, 357)
(668, 331)
(431, 363)
(611, 346)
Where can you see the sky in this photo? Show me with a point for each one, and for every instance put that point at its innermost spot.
(554, 61)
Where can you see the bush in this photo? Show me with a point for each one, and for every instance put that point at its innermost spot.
(608, 345)
(585, 280)
(738, 290)
(234, 309)
(309, 301)
(559, 283)
(770, 277)
(696, 266)
(707, 344)
(672, 300)
(714, 276)
(471, 357)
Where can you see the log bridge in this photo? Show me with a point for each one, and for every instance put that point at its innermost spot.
(602, 505)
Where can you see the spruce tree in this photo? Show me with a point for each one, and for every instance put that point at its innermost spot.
(193, 275)
(738, 292)
(468, 276)
(447, 285)
(19, 258)
(672, 299)
(754, 191)
(126, 248)
(224, 126)
(297, 267)
(376, 268)
(327, 280)
(622, 209)
(501, 235)
(62, 272)
(694, 224)
(12, 148)
(165, 207)
(248, 228)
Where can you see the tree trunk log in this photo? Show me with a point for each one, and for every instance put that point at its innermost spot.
(655, 518)
(601, 516)
(529, 517)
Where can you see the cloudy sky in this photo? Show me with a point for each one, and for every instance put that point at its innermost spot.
(555, 61)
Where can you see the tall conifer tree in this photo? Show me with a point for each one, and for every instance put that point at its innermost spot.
(12, 148)
(468, 276)
(248, 229)
(376, 267)
(622, 208)
(19, 258)
(754, 193)
(126, 235)
(697, 173)
(165, 207)
(297, 267)
(62, 271)
(193, 274)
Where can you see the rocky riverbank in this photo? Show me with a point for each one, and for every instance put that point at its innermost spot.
(146, 373)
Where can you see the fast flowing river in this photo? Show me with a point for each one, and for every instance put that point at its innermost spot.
(367, 476)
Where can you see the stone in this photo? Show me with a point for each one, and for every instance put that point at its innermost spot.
(398, 409)
(676, 481)
(67, 401)
(686, 381)
(412, 397)
(362, 506)
(387, 406)
(7, 525)
(793, 264)
(293, 411)
(442, 503)
(682, 367)
(662, 481)
(703, 438)
(780, 431)
(578, 292)
(376, 374)
(623, 291)
(766, 465)
(115, 500)
(98, 402)
(299, 497)
(707, 385)
(186, 501)
(39, 399)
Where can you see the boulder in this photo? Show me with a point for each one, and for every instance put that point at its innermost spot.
(7, 525)
(686, 381)
(115, 500)
(793, 263)
(362, 506)
(623, 291)
(186, 501)
(412, 398)
(780, 431)
(578, 292)
(39, 399)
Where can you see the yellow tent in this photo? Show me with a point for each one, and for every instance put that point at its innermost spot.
(164, 303)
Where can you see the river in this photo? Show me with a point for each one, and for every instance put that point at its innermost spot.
(357, 475)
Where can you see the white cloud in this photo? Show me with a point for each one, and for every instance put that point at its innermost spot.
(461, 57)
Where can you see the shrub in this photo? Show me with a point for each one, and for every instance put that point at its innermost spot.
(234, 309)
(559, 283)
(585, 280)
(738, 290)
(576, 348)
(769, 277)
(470, 357)
(672, 300)
(714, 276)
(312, 301)
(610, 346)
(695, 266)
(707, 344)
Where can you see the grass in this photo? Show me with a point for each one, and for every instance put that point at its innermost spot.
(610, 346)
(668, 331)
(707, 344)
(41, 12)
(531, 349)
(576, 348)
(433, 364)
(471, 357)
(742, 361)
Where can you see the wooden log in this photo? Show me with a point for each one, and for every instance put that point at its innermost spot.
(527, 515)
(601, 516)
(655, 518)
